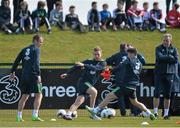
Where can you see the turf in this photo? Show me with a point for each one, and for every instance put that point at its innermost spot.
(7, 119)
(68, 46)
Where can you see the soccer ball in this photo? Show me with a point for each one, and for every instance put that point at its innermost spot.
(108, 113)
(61, 113)
(74, 114)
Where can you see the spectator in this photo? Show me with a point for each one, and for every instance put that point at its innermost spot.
(146, 16)
(50, 5)
(23, 18)
(135, 16)
(157, 18)
(5, 17)
(72, 20)
(120, 18)
(168, 4)
(173, 17)
(94, 18)
(105, 17)
(40, 17)
(56, 16)
(16, 5)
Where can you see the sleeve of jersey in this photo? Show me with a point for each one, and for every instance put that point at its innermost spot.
(117, 68)
(75, 68)
(98, 67)
(16, 62)
(141, 59)
(36, 66)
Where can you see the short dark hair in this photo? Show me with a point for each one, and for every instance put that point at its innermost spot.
(71, 7)
(155, 3)
(105, 5)
(176, 5)
(58, 4)
(132, 50)
(41, 4)
(123, 46)
(145, 3)
(93, 3)
(36, 37)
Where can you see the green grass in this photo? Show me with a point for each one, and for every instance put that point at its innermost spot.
(7, 119)
(68, 46)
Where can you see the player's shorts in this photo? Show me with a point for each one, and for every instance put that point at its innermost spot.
(83, 87)
(163, 84)
(123, 91)
(30, 85)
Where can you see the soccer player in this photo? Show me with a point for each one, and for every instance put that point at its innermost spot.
(127, 78)
(165, 69)
(114, 61)
(91, 73)
(31, 77)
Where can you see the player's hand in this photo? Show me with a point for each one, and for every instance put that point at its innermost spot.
(79, 64)
(63, 76)
(12, 76)
(39, 79)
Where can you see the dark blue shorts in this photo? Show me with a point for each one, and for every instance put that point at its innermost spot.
(30, 85)
(163, 84)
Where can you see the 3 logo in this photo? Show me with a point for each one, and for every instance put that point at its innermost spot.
(9, 91)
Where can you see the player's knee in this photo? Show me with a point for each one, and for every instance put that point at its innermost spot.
(94, 92)
(134, 102)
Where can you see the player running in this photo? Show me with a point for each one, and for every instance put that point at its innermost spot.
(91, 73)
(31, 78)
(127, 78)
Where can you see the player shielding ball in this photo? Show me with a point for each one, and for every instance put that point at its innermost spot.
(127, 78)
(91, 73)
(31, 77)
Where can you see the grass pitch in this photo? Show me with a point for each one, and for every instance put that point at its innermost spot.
(69, 47)
(7, 119)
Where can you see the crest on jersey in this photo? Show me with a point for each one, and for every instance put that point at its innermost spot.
(9, 91)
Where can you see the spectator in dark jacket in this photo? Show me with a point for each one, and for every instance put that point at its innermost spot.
(5, 17)
(72, 20)
(16, 5)
(40, 17)
(127, 2)
(23, 18)
(165, 69)
(94, 18)
(120, 18)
